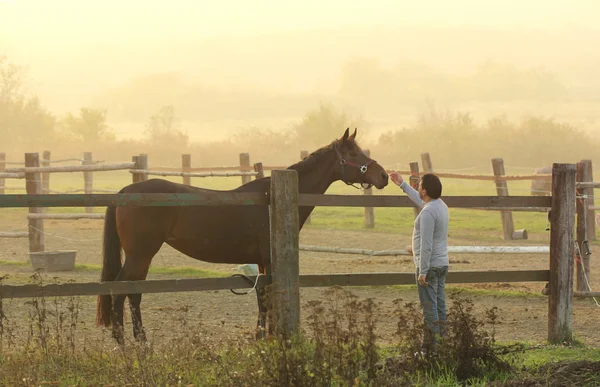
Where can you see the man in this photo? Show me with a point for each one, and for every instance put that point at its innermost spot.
(430, 250)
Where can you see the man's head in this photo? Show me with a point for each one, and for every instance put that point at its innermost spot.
(431, 186)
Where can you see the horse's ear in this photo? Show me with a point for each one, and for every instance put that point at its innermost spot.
(346, 134)
(353, 135)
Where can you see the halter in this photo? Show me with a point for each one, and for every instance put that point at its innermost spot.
(362, 168)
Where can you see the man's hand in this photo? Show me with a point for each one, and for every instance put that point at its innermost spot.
(409, 249)
(396, 178)
(421, 279)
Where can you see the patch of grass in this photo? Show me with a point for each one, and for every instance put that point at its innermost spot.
(554, 353)
(338, 346)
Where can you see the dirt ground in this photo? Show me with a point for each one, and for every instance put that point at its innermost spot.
(522, 318)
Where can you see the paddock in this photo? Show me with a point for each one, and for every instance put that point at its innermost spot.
(560, 302)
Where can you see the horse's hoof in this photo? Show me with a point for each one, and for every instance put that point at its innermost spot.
(140, 337)
(261, 334)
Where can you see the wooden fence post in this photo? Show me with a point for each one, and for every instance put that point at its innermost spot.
(414, 181)
(304, 154)
(88, 178)
(588, 176)
(186, 165)
(135, 176)
(245, 166)
(508, 226)
(285, 263)
(143, 165)
(2, 169)
(562, 222)
(259, 169)
(369, 211)
(426, 161)
(33, 186)
(582, 266)
(46, 176)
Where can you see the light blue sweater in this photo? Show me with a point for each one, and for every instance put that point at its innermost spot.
(430, 233)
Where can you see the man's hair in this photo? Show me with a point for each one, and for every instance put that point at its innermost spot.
(432, 184)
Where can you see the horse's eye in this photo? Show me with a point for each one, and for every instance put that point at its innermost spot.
(353, 154)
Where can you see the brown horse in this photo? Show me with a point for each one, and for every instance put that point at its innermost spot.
(220, 234)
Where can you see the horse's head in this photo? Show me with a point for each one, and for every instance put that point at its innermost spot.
(354, 166)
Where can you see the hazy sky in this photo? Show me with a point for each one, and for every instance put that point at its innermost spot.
(73, 49)
(38, 22)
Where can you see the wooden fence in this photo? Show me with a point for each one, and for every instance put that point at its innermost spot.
(37, 176)
(39, 172)
(285, 279)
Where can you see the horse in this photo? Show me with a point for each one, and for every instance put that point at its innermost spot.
(218, 234)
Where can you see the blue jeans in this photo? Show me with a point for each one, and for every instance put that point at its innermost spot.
(433, 302)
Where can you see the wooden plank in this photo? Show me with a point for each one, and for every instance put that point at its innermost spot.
(2, 169)
(413, 181)
(251, 198)
(244, 166)
(285, 262)
(588, 175)
(582, 266)
(562, 223)
(14, 234)
(489, 202)
(502, 189)
(465, 176)
(88, 178)
(11, 175)
(304, 154)
(65, 216)
(33, 186)
(142, 163)
(134, 200)
(128, 287)
(135, 176)
(387, 279)
(186, 164)
(259, 170)
(46, 158)
(45, 162)
(426, 161)
(586, 294)
(369, 211)
(74, 168)
(191, 174)
(203, 169)
(204, 284)
(590, 184)
(451, 249)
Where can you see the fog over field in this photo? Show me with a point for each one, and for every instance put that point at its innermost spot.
(173, 77)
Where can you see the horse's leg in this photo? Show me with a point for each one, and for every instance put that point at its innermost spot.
(136, 316)
(135, 268)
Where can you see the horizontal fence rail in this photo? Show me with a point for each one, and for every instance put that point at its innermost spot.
(309, 280)
(134, 200)
(192, 174)
(451, 249)
(74, 168)
(14, 234)
(253, 198)
(489, 202)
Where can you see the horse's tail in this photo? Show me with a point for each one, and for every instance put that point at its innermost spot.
(111, 265)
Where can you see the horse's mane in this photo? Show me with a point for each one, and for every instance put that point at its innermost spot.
(314, 158)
